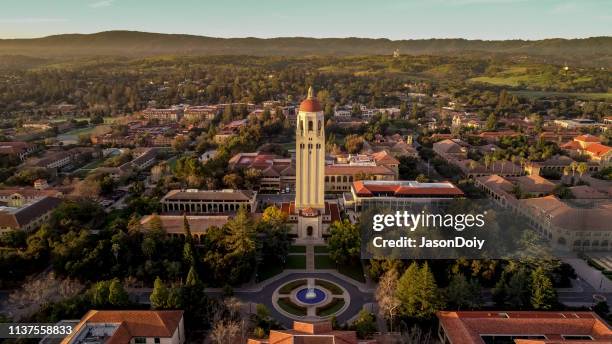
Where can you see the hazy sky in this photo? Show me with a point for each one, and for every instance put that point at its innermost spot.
(394, 19)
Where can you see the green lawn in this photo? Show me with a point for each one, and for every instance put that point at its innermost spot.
(287, 288)
(332, 287)
(324, 262)
(321, 249)
(290, 307)
(94, 164)
(540, 94)
(331, 308)
(296, 262)
(297, 249)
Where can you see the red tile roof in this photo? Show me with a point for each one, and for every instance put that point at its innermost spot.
(598, 149)
(310, 105)
(351, 170)
(403, 188)
(587, 138)
(467, 327)
(141, 323)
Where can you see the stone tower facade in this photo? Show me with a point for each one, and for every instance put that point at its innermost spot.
(310, 155)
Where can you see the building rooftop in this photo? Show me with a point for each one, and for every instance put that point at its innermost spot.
(212, 195)
(383, 188)
(19, 217)
(119, 327)
(577, 216)
(197, 224)
(474, 327)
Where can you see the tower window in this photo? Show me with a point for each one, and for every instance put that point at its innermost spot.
(310, 126)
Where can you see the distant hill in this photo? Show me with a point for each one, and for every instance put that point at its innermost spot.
(595, 51)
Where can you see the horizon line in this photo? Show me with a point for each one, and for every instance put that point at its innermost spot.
(307, 37)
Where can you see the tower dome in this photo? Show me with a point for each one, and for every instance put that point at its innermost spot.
(310, 104)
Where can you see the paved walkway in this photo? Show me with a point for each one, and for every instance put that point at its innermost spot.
(589, 274)
(310, 258)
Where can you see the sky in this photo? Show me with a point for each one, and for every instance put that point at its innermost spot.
(393, 19)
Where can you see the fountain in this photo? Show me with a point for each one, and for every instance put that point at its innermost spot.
(310, 295)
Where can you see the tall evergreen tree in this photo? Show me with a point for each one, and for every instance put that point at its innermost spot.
(543, 295)
(117, 296)
(160, 294)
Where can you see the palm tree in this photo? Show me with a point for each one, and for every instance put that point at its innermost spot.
(582, 168)
(573, 166)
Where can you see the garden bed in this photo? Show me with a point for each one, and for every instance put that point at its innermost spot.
(332, 287)
(331, 308)
(288, 306)
(288, 288)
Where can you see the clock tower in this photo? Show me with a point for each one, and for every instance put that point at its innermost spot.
(310, 170)
(310, 155)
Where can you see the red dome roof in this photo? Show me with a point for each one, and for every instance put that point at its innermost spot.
(310, 104)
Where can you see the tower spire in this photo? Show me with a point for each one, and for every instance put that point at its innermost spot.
(310, 93)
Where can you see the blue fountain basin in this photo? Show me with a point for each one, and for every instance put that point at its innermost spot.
(318, 296)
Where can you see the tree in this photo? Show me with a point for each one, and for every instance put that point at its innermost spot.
(582, 168)
(100, 293)
(274, 216)
(117, 296)
(418, 292)
(232, 180)
(365, 324)
(517, 290)
(192, 278)
(543, 295)
(159, 296)
(491, 122)
(388, 302)
(462, 293)
(344, 242)
(189, 252)
(353, 143)
(180, 143)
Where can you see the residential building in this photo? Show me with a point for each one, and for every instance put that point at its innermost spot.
(129, 327)
(366, 194)
(277, 173)
(554, 164)
(193, 201)
(522, 327)
(590, 146)
(201, 113)
(17, 148)
(19, 196)
(339, 177)
(27, 217)
(451, 149)
(173, 114)
(579, 225)
(576, 123)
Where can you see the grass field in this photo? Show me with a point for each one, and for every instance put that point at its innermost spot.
(331, 308)
(297, 249)
(296, 262)
(287, 288)
(541, 94)
(321, 249)
(290, 307)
